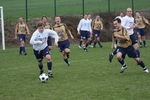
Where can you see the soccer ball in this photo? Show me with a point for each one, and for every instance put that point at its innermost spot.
(43, 78)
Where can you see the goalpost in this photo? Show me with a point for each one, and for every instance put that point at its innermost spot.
(2, 27)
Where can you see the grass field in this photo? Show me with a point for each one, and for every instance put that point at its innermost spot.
(90, 77)
(37, 8)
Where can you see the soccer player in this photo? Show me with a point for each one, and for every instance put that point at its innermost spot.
(20, 31)
(97, 26)
(125, 46)
(141, 22)
(129, 25)
(47, 25)
(63, 43)
(84, 29)
(40, 46)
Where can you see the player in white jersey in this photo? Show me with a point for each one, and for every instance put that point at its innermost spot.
(84, 29)
(40, 46)
(121, 16)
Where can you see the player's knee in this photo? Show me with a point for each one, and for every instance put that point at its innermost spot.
(67, 50)
(137, 60)
(119, 55)
(136, 46)
(98, 39)
(48, 57)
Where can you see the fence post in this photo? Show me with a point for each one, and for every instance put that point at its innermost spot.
(109, 6)
(26, 10)
(133, 6)
(83, 7)
(55, 8)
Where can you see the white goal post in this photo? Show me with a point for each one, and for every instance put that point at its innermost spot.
(2, 27)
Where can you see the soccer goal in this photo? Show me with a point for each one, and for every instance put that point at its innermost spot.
(2, 35)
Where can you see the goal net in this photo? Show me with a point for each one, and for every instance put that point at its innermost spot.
(2, 35)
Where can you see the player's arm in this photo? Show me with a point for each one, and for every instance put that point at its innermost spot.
(69, 32)
(79, 27)
(146, 21)
(34, 40)
(124, 22)
(16, 31)
(27, 29)
(124, 36)
(54, 35)
(102, 25)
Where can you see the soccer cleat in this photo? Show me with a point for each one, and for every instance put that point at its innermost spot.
(50, 75)
(146, 70)
(110, 57)
(123, 69)
(79, 46)
(85, 49)
(25, 54)
(68, 64)
(100, 46)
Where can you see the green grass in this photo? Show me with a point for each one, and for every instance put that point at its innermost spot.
(37, 8)
(90, 77)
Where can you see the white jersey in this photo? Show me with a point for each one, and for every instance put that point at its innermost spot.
(37, 38)
(127, 23)
(84, 25)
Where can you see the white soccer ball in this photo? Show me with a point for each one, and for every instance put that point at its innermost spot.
(43, 78)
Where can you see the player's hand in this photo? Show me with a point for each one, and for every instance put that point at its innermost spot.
(43, 41)
(56, 44)
(72, 37)
(132, 27)
(79, 33)
(116, 35)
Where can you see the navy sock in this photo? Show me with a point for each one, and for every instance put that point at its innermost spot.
(90, 42)
(99, 43)
(49, 66)
(87, 44)
(115, 52)
(80, 43)
(23, 49)
(20, 50)
(141, 63)
(95, 42)
(41, 67)
(144, 43)
(66, 60)
(121, 61)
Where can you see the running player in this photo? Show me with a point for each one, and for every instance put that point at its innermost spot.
(125, 46)
(47, 25)
(63, 43)
(20, 31)
(40, 46)
(97, 26)
(84, 29)
(141, 22)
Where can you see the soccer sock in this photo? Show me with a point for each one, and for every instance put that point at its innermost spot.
(95, 42)
(141, 63)
(49, 66)
(90, 42)
(87, 44)
(99, 43)
(114, 52)
(23, 49)
(140, 43)
(20, 50)
(80, 43)
(41, 67)
(121, 61)
(66, 60)
(144, 43)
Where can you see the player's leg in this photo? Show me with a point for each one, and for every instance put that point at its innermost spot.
(39, 58)
(139, 37)
(141, 63)
(143, 37)
(95, 39)
(23, 44)
(98, 39)
(80, 43)
(47, 55)
(67, 52)
(121, 56)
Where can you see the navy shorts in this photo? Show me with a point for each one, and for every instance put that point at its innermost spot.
(85, 35)
(140, 31)
(22, 37)
(63, 45)
(133, 39)
(49, 41)
(40, 54)
(130, 51)
(96, 33)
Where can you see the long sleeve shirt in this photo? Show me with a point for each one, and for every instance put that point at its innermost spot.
(37, 38)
